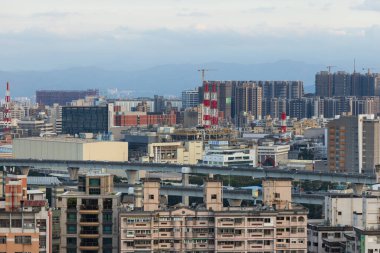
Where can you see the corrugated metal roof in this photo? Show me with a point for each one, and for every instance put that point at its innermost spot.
(43, 181)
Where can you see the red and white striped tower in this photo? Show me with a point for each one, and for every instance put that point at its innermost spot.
(283, 122)
(7, 110)
(206, 105)
(214, 106)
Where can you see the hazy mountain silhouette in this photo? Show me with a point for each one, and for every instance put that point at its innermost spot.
(167, 80)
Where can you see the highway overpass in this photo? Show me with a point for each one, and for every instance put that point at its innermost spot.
(121, 167)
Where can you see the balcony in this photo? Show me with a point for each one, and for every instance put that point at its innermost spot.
(89, 247)
(89, 222)
(89, 209)
(89, 234)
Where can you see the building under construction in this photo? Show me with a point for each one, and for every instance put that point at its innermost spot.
(62, 97)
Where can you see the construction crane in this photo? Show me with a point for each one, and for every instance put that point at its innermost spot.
(203, 73)
(329, 67)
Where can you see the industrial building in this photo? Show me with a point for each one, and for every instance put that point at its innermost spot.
(60, 148)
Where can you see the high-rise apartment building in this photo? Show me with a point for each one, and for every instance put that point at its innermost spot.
(344, 84)
(282, 89)
(159, 104)
(89, 216)
(354, 144)
(277, 226)
(248, 102)
(62, 97)
(190, 98)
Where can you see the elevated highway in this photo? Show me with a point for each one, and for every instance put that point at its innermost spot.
(131, 167)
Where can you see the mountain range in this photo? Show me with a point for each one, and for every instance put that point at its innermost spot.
(167, 80)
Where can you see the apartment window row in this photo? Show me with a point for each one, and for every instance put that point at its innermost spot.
(23, 239)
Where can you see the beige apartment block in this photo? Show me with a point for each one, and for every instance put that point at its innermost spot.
(189, 152)
(210, 227)
(60, 148)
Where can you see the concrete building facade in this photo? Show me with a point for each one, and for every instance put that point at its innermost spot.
(89, 216)
(57, 148)
(212, 227)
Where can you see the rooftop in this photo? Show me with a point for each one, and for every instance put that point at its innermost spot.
(43, 181)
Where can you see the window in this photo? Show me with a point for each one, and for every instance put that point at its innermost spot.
(107, 217)
(94, 182)
(107, 204)
(151, 196)
(16, 223)
(71, 241)
(213, 196)
(71, 229)
(267, 220)
(4, 223)
(23, 239)
(324, 235)
(107, 242)
(337, 235)
(41, 224)
(107, 229)
(339, 213)
(71, 203)
(3, 239)
(277, 195)
(72, 217)
(42, 242)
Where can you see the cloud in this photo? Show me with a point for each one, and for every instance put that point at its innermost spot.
(53, 14)
(192, 14)
(368, 5)
(262, 9)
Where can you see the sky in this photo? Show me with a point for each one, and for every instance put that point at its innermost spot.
(131, 34)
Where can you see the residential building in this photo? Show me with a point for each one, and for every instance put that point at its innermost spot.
(190, 98)
(89, 216)
(189, 152)
(25, 218)
(278, 226)
(35, 127)
(248, 103)
(159, 104)
(353, 144)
